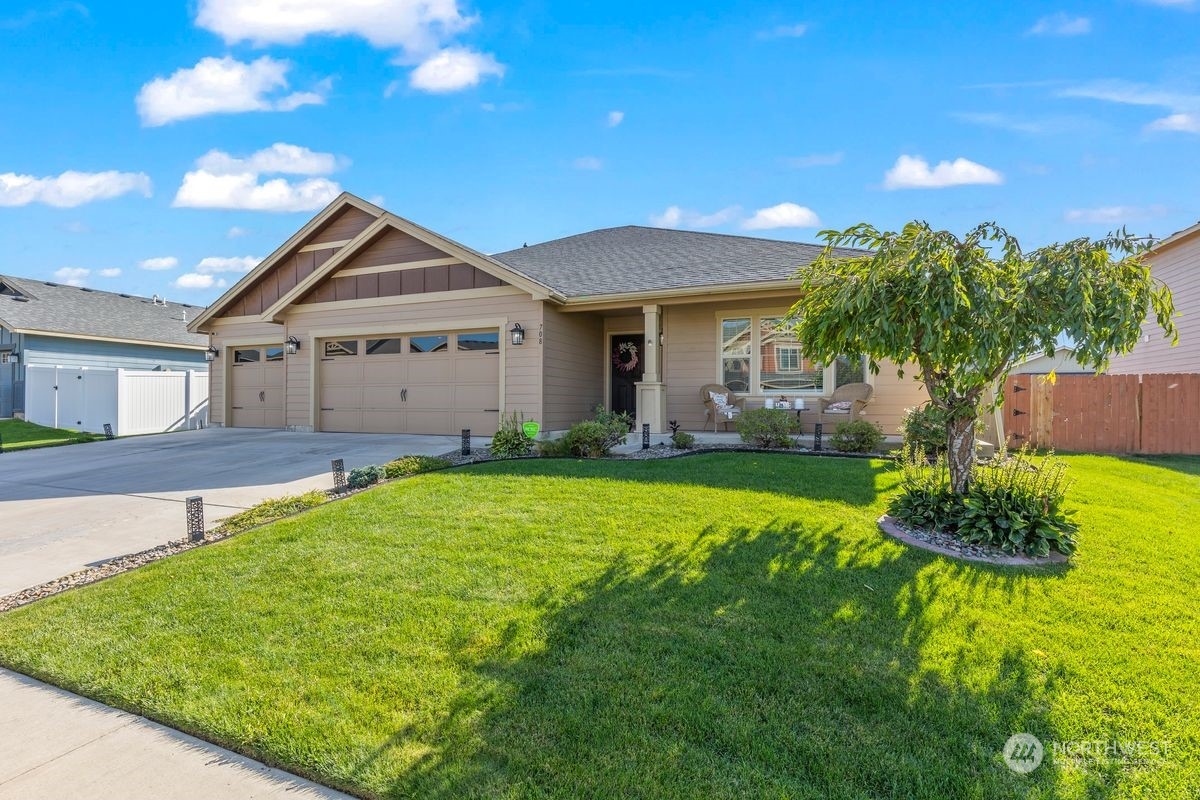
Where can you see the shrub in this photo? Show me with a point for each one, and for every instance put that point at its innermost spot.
(411, 465)
(362, 477)
(682, 440)
(766, 427)
(595, 438)
(269, 511)
(858, 436)
(924, 429)
(510, 441)
(1012, 504)
(554, 448)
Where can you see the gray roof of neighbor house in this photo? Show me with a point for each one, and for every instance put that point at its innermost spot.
(33, 305)
(639, 259)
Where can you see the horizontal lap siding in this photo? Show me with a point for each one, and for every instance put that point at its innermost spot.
(573, 365)
(893, 395)
(1179, 268)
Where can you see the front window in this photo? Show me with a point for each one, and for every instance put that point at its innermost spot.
(761, 356)
(736, 347)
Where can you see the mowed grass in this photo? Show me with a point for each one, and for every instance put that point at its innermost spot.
(716, 626)
(17, 434)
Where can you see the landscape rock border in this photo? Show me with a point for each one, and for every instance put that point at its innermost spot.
(949, 546)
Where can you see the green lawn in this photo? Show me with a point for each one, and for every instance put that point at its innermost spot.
(17, 434)
(717, 626)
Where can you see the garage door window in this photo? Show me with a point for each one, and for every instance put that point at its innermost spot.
(479, 341)
(274, 354)
(245, 356)
(342, 347)
(384, 347)
(428, 344)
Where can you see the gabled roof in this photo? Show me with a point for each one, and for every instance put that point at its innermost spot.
(1176, 237)
(41, 307)
(635, 259)
(340, 203)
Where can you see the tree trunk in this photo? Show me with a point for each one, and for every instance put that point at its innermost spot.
(960, 434)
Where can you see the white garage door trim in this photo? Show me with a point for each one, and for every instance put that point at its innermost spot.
(310, 338)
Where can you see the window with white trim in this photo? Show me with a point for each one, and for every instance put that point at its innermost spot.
(759, 356)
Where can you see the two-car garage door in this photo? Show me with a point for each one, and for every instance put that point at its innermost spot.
(433, 383)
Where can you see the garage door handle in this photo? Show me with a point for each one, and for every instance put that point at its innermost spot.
(490, 409)
(237, 408)
(323, 408)
(262, 397)
(404, 395)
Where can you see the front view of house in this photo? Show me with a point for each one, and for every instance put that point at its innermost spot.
(364, 321)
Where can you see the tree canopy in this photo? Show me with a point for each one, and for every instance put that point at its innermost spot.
(965, 310)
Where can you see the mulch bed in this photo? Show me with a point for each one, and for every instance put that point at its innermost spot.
(948, 545)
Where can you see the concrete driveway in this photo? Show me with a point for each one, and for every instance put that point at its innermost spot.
(64, 508)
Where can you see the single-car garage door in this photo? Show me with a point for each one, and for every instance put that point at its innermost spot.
(436, 383)
(256, 377)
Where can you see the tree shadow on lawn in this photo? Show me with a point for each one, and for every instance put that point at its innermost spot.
(770, 662)
(1188, 465)
(850, 480)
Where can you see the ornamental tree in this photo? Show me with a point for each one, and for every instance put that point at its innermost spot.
(964, 311)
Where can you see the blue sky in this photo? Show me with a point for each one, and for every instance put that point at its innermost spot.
(164, 147)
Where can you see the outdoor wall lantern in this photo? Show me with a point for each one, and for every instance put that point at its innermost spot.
(293, 345)
(518, 334)
(210, 355)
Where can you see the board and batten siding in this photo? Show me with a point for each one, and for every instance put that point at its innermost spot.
(1178, 266)
(690, 354)
(522, 376)
(573, 367)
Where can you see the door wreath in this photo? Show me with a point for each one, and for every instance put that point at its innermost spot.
(625, 357)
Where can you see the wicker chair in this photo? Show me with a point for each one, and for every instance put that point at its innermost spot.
(710, 408)
(857, 394)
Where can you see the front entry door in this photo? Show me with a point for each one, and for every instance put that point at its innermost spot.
(626, 364)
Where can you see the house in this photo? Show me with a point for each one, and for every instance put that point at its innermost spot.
(365, 321)
(44, 323)
(1061, 363)
(1176, 262)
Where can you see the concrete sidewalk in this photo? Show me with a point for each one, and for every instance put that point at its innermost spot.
(54, 745)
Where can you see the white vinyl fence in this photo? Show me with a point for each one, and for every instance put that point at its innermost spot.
(132, 401)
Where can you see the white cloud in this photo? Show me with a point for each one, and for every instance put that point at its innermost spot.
(1113, 215)
(111, 272)
(588, 163)
(288, 159)
(214, 264)
(159, 263)
(784, 215)
(454, 69)
(816, 160)
(414, 25)
(71, 188)
(676, 217)
(194, 280)
(615, 118)
(72, 276)
(1184, 106)
(222, 86)
(236, 232)
(201, 189)
(1185, 4)
(794, 31)
(1061, 24)
(1187, 123)
(914, 172)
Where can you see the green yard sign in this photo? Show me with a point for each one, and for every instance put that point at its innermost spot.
(531, 429)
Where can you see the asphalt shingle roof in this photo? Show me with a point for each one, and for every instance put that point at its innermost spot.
(56, 308)
(637, 259)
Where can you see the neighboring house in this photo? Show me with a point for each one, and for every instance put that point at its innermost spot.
(1176, 262)
(43, 323)
(1061, 363)
(397, 328)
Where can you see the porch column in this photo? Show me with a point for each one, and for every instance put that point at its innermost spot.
(651, 391)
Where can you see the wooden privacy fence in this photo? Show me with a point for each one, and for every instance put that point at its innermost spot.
(1104, 413)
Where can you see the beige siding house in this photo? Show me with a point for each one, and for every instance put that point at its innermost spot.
(364, 321)
(1176, 262)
